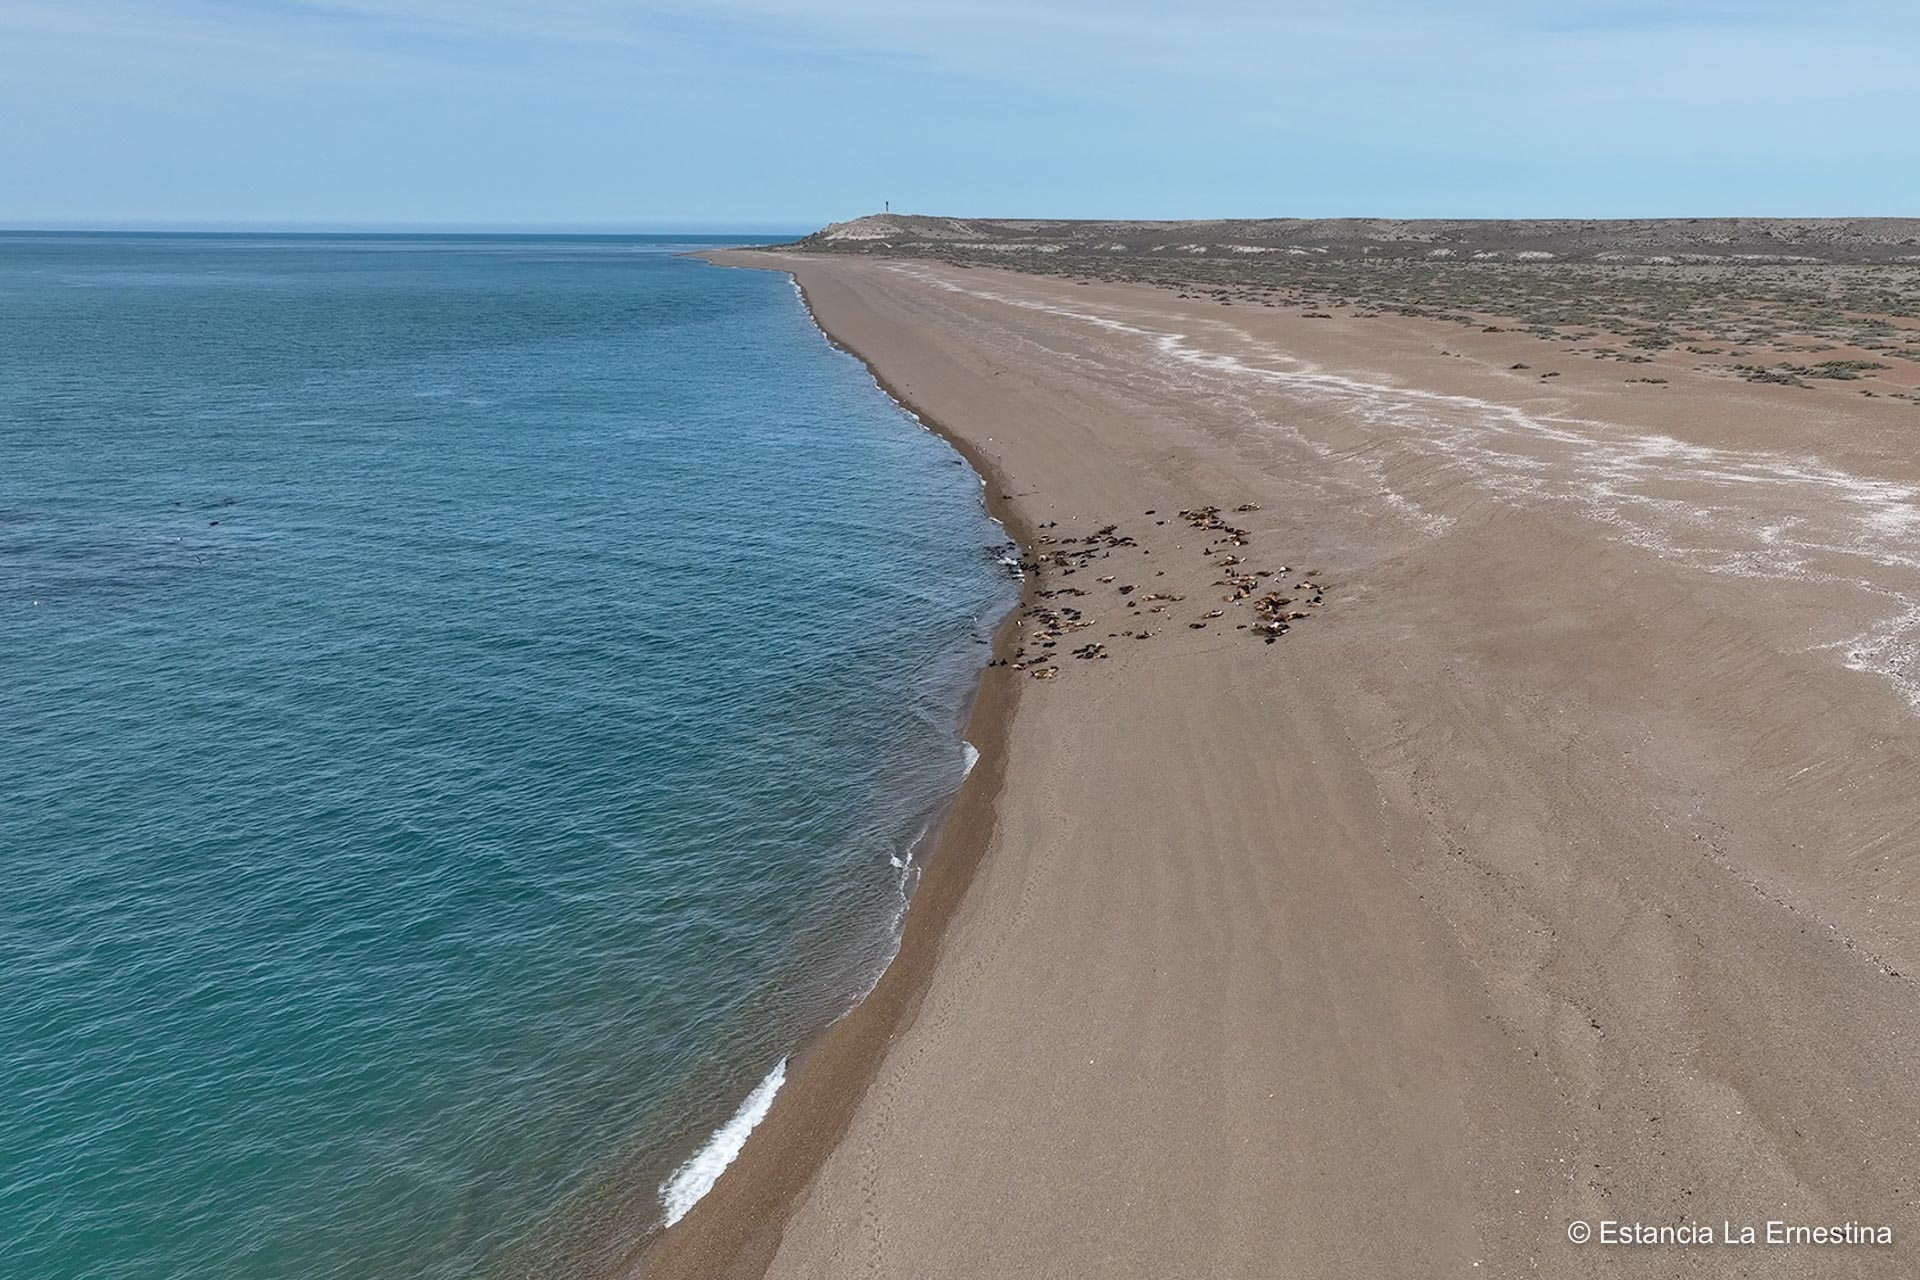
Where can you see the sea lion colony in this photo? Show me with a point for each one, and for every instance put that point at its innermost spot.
(1056, 611)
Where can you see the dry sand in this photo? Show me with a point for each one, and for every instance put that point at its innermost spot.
(1559, 866)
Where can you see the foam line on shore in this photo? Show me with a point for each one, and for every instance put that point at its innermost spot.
(696, 1177)
(737, 1231)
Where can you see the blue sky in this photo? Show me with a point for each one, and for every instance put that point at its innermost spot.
(784, 113)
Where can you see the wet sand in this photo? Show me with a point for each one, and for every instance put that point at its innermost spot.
(1557, 864)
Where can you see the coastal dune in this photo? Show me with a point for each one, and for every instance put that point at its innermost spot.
(1555, 863)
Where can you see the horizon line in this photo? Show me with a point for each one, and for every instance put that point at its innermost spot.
(159, 226)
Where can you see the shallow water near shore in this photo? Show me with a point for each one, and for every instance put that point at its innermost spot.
(466, 700)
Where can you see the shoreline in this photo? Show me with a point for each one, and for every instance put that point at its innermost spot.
(1530, 878)
(733, 1231)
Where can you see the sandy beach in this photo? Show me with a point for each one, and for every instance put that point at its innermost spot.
(1423, 805)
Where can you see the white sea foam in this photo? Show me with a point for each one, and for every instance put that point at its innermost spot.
(696, 1177)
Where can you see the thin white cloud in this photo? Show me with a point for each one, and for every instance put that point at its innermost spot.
(1220, 96)
(1243, 50)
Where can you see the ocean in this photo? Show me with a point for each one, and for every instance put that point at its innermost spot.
(468, 709)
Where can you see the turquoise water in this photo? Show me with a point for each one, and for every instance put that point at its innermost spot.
(462, 702)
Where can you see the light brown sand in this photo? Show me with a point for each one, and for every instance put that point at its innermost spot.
(1557, 868)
